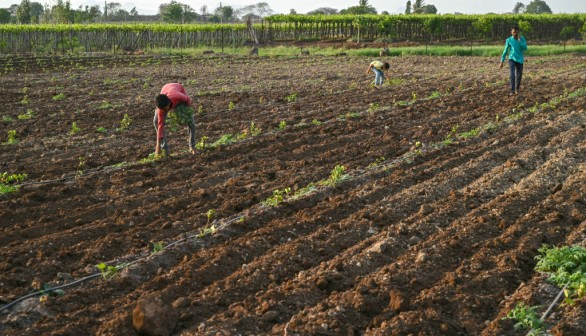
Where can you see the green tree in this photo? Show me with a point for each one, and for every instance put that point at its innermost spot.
(61, 12)
(408, 8)
(537, 7)
(23, 12)
(225, 13)
(36, 11)
(177, 12)
(4, 16)
(519, 8)
(417, 5)
(323, 11)
(428, 9)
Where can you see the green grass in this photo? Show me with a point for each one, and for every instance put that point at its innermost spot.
(463, 50)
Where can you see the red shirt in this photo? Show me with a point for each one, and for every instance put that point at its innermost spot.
(177, 94)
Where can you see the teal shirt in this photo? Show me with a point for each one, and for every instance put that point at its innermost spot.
(514, 49)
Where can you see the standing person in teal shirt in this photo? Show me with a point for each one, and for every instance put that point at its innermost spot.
(515, 47)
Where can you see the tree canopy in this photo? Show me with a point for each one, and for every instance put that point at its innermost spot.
(537, 7)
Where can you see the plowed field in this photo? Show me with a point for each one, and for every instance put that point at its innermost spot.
(449, 188)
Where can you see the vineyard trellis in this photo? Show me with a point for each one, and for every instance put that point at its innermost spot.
(418, 28)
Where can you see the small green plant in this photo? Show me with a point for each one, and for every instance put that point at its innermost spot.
(7, 118)
(200, 110)
(24, 90)
(316, 122)
(395, 81)
(291, 98)
(108, 272)
(434, 95)
(565, 265)
(80, 166)
(58, 97)
(207, 230)
(25, 100)
(210, 213)
(201, 144)
(282, 125)
(12, 140)
(526, 318)
(350, 115)
(74, 129)
(231, 106)
(102, 130)
(377, 162)
(470, 134)
(157, 247)
(261, 100)
(225, 139)
(9, 178)
(152, 157)
(278, 197)
(336, 176)
(105, 105)
(125, 123)
(373, 107)
(250, 132)
(413, 96)
(25, 116)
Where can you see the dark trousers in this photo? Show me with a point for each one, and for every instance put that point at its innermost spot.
(516, 75)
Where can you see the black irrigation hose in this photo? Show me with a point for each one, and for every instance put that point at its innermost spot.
(45, 291)
(126, 265)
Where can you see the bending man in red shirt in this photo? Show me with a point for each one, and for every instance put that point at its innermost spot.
(172, 95)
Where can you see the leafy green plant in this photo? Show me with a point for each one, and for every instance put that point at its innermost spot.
(291, 98)
(336, 176)
(25, 100)
(316, 122)
(7, 118)
(377, 162)
(108, 272)
(470, 133)
(201, 144)
(210, 213)
(12, 140)
(9, 178)
(207, 230)
(179, 116)
(80, 166)
(231, 106)
(434, 95)
(58, 97)
(282, 125)
(25, 116)
(157, 247)
(565, 265)
(102, 130)
(261, 100)
(200, 110)
(105, 105)
(125, 123)
(225, 139)
(278, 197)
(372, 107)
(74, 129)
(526, 318)
(350, 115)
(413, 96)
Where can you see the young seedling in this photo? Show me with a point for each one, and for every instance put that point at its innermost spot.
(206, 231)
(377, 162)
(526, 318)
(108, 272)
(210, 214)
(291, 98)
(74, 129)
(80, 167)
(157, 247)
(373, 107)
(337, 176)
(7, 119)
(102, 130)
(28, 115)
(566, 267)
(282, 125)
(12, 140)
(125, 123)
(201, 144)
(231, 106)
(316, 122)
(105, 105)
(24, 100)
(58, 97)
(278, 197)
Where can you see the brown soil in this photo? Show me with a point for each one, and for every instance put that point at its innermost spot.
(421, 239)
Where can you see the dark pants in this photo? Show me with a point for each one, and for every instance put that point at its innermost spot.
(190, 127)
(516, 75)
